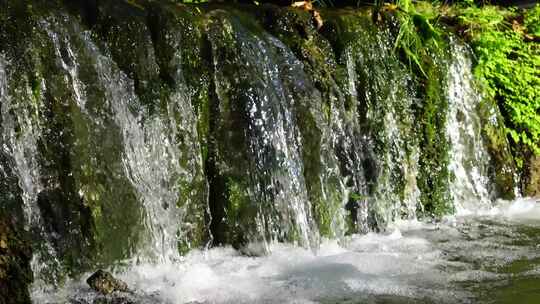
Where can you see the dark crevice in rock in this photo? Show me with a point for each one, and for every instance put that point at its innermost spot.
(86, 9)
(217, 186)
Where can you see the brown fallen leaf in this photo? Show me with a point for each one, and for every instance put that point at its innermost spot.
(318, 19)
(517, 27)
(308, 6)
(305, 5)
(389, 7)
(531, 38)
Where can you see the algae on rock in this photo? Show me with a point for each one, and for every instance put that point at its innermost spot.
(156, 128)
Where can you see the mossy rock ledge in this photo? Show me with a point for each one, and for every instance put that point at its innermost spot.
(221, 124)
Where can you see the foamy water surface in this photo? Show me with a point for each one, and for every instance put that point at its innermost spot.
(487, 256)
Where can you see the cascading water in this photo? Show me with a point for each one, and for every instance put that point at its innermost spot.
(142, 134)
(386, 140)
(469, 158)
(151, 158)
(20, 133)
(157, 165)
(276, 174)
(157, 156)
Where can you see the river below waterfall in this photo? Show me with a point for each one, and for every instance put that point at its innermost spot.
(491, 256)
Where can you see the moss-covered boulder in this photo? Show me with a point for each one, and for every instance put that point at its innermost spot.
(502, 168)
(104, 282)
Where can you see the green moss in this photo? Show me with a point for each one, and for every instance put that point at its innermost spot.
(238, 200)
(416, 32)
(502, 167)
(229, 168)
(203, 125)
(314, 114)
(530, 181)
(419, 45)
(507, 66)
(434, 177)
(296, 29)
(127, 36)
(242, 214)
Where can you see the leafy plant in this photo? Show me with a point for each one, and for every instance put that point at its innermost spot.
(416, 31)
(508, 65)
(532, 20)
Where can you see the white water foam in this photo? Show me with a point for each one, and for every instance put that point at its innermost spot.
(416, 260)
(20, 133)
(469, 159)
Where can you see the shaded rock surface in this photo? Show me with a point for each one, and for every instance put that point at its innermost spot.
(15, 272)
(531, 176)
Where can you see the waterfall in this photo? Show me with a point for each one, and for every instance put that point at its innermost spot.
(20, 132)
(469, 158)
(275, 170)
(151, 158)
(154, 156)
(133, 145)
(385, 140)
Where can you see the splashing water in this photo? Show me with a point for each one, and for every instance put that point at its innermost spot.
(456, 261)
(150, 161)
(20, 133)
(293, 156)
(276, 186)
(469, 158)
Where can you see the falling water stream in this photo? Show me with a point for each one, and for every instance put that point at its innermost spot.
(227, 163)
(487, 253)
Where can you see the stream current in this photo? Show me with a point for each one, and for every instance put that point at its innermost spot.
(489, 256)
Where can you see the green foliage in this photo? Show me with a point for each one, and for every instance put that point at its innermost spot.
(532, 20)
(416, 31)
(421, 44)
(509, 66)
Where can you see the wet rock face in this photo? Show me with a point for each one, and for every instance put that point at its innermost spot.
(15, 249)
(531, 177)
(15, 273)
(103, 282)
(221, 123)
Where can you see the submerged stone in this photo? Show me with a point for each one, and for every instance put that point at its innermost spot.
(104, 282)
